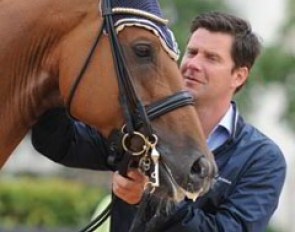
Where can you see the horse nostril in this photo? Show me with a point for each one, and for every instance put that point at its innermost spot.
(196, 169)
(200, 167)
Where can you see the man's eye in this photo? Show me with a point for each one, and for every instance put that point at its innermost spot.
(191, 53)
(212, 58)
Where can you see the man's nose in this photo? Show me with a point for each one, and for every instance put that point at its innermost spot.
(195, 62)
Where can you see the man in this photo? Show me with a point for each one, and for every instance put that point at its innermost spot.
(219, 55)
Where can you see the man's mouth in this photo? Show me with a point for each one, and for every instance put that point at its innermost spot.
(192, 79)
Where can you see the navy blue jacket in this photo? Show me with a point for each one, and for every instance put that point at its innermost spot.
(251, 175)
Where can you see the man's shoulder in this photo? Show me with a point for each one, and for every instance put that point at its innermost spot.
(251, 152)
(255, 135)
(254, 141)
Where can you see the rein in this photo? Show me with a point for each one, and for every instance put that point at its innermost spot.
(136, 115)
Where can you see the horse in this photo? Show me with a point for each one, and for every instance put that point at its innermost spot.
(64, 53)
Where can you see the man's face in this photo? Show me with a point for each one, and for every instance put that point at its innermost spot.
(207, 67)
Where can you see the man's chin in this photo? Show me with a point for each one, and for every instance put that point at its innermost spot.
(191, 89)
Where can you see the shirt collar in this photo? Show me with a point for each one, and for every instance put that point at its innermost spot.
(225, 123)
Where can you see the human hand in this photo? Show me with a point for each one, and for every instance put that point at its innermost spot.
(131, 188)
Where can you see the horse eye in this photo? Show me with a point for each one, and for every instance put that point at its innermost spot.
(143, 50)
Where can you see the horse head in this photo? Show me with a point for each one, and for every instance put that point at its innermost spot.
(186, 164)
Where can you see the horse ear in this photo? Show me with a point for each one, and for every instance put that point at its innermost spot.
(240, 76)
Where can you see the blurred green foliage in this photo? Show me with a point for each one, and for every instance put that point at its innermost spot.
(34, 202)
(276, 64)
(47, 203)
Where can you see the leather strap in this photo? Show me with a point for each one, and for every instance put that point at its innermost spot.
(168, 104)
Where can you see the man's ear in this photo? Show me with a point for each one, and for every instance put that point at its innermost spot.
(240, 76)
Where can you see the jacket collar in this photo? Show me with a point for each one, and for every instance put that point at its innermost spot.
(236, 120)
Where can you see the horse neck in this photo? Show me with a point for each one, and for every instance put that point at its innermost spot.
(29, 62)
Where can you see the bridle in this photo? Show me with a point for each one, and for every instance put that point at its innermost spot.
(136, 115)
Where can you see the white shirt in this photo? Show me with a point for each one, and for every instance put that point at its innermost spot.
(222, 131)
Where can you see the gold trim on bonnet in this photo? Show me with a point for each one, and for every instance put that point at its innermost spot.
(124, 10)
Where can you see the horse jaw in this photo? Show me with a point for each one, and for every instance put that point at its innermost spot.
(152, 214)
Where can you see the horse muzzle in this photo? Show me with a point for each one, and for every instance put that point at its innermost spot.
(201, 177)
